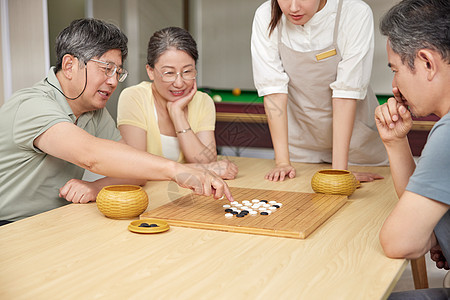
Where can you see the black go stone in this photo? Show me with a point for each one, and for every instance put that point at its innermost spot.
(240, 215)
(277, 206)
(245, 212)
(148, 225)
(265, 201)
(234, 212)
(264, 213)
(228, 210)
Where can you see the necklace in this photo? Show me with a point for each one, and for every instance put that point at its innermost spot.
(85, 84)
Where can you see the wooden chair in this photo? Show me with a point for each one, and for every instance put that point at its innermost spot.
(419, 273)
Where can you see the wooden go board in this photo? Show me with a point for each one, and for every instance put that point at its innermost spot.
(300, 215)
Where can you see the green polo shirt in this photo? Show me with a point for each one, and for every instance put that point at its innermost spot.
(30, 179)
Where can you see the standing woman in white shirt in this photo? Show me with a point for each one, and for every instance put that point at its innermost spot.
(312, 61)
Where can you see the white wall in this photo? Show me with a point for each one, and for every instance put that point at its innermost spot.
(25, 52)
(3, 42)
(223, 30)
(138, 19)
(381, 75)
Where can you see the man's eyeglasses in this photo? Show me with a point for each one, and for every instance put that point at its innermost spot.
(112, 69)
(170, 76)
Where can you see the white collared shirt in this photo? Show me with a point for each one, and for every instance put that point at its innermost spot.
(355, 42)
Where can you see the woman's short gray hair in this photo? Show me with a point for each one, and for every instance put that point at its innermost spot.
(412, 25)
(170, 37)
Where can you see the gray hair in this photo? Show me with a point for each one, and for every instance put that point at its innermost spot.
(89, 38)
(412, 25)
(170, 37)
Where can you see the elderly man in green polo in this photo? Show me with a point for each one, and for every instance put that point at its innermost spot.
(51, 132)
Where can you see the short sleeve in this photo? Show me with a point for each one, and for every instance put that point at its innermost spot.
(204, 113)
(268, 71)
(356, 44)
(33, 117)
(130, 109)
(431, 176)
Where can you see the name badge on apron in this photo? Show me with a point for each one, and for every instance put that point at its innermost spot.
(326, 54)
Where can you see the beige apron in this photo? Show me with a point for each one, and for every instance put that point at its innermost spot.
(310, 113)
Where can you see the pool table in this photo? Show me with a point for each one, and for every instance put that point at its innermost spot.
(241, 121)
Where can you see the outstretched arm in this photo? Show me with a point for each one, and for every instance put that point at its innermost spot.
(137, 138)
(343, 119)
(122, 161)
(275, 106)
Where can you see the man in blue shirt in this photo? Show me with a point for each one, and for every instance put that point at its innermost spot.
(419, 55)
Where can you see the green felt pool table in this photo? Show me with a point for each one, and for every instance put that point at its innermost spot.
(251, 96)
(241, 121)
(246, 96)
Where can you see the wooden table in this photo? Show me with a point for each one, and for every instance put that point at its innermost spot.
(74, 252)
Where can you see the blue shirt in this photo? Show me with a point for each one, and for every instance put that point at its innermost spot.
(431, 178)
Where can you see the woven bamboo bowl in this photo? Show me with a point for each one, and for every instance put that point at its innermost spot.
(122, 201)
(334, 182)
